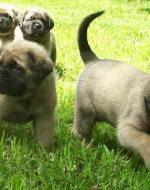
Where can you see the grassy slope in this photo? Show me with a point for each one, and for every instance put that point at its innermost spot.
(123, 33)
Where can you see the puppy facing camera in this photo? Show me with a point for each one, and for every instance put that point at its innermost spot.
(8, 23)
(27, 88)
(114, 92)
(36, 25)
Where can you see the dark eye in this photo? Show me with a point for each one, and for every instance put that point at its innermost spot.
(14, 66)
(31, 18)
(6, 15)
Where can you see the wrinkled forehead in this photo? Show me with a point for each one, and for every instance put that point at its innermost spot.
(9, 55)
(13, 49)
(35, 13)
(6, 10)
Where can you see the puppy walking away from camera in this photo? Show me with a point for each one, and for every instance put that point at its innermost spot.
(8, 23)
(36, 26)
(115, 92)
(27, 88)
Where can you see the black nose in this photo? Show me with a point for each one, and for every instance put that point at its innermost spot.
(37, 25)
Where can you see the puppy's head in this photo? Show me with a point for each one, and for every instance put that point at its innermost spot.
(8, 16)
(35, 23)
(23, 66)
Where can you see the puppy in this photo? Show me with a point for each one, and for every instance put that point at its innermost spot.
(36, 26)
(115, 92)
(8, 23)
(27, 88)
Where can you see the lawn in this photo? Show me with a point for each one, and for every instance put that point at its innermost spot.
(123, 33)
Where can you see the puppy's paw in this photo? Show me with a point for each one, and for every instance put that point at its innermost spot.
(48, 145)
(75, 132)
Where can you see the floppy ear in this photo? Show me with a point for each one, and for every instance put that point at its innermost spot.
(16, 12)
(20, 18)
(49, 21)
(40, 68)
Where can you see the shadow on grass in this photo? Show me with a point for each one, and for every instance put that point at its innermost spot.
(105, 134)
(59, 71)
(20, 132)
(147, 10)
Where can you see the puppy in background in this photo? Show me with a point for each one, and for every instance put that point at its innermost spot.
(27, 88)
(8, 23)
(36, 26)
(115, 92)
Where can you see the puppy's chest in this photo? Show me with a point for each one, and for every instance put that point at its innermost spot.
(5, 41)
(17, 112)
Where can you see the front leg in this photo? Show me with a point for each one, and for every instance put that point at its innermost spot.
(43, 125)
(134, 137)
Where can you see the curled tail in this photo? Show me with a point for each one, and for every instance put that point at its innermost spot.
(85, 51)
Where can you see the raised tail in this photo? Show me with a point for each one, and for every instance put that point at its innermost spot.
(85, 51)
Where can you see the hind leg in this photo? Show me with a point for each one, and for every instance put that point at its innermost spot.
(133, 137)
(83, 124)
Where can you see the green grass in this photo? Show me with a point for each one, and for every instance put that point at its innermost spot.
(122, 33)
